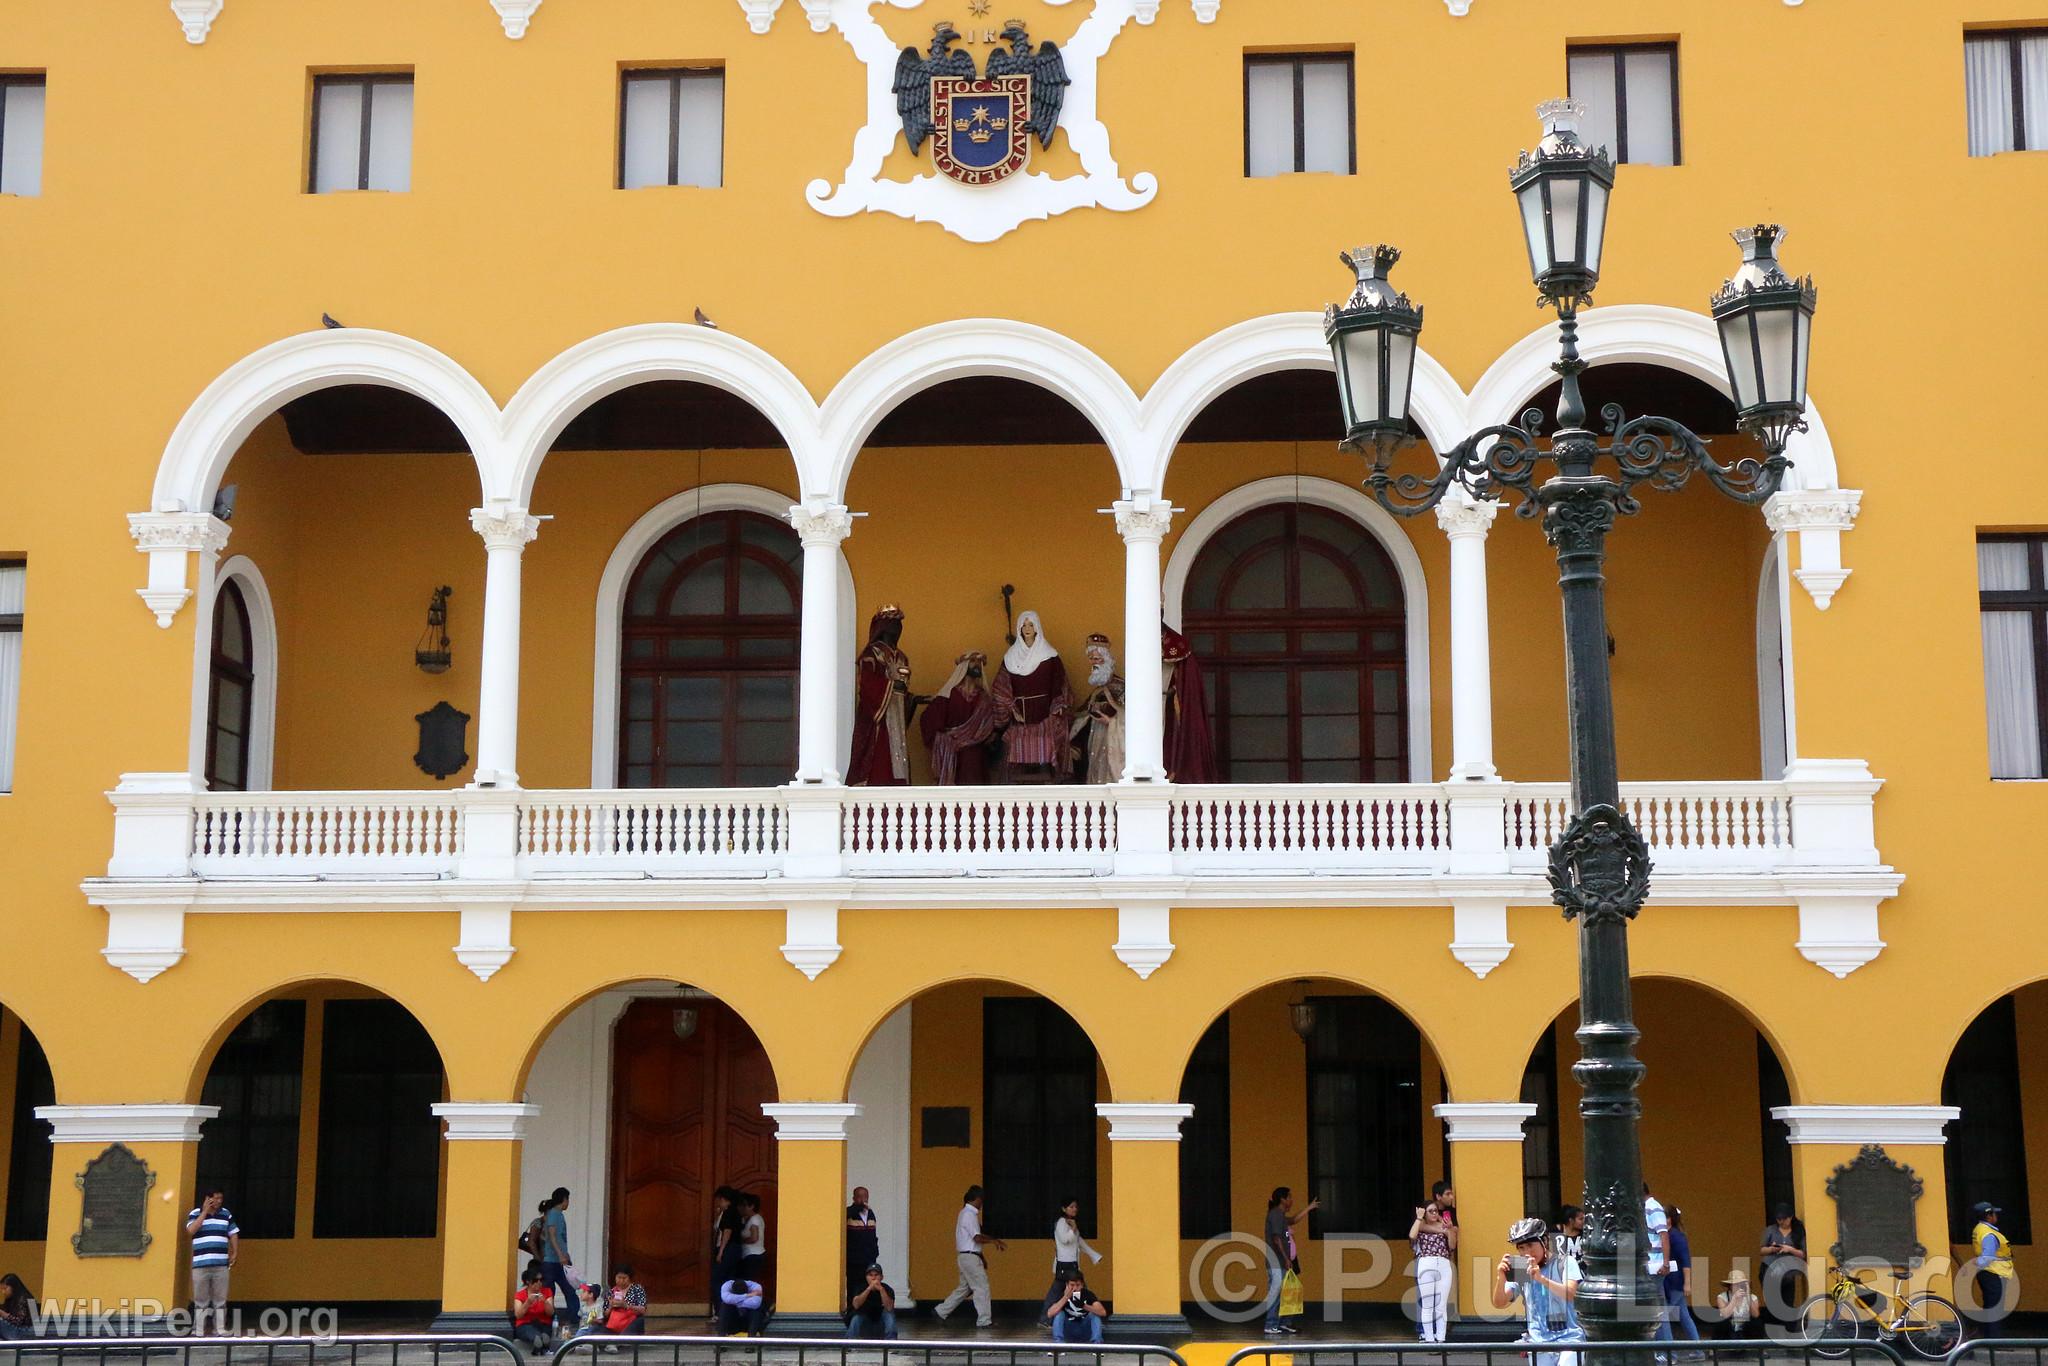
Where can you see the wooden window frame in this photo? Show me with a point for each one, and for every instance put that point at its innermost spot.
(225, 665)
(1620, 52)
(673, 77)
(2015, 74)
(1021, 1204)
(42, 80)
(1300, 62)
(1292, 622)
(729, 628)
(367, 80)
(2033, 600)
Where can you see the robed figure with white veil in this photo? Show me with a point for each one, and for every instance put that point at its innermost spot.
(1031, 705)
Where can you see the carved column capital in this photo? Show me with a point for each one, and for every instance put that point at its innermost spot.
(196, 17)
(178, 531)
(504, 527)
(1466, 516)
(1143, 518)
(760, 13)
(515, 15)
(819, 523)
(1813, 509)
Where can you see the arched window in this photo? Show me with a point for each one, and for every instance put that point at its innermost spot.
(1296, 611)
(231, 691)
(709, 654)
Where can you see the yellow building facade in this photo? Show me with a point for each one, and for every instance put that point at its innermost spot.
(637, 936)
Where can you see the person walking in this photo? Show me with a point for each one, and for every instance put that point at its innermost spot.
(1783, 1281)
(554, 1257)
(1076, 1315)
(1280, 1221)
(863, 1243)
(1068, 1247)
(968, 1242)
(1678, 1321)
(1991, 1271)
(1433, 1240)
(1547, 1286)
(872, 1311)
(216, 1243)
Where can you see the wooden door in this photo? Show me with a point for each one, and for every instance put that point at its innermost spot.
(688, 1082)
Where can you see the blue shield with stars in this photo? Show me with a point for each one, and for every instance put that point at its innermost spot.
(979, 136)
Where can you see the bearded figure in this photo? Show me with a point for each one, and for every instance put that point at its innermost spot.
(1098, 727)
(1189, 753)
(1031, 706)
(958, 724)
(882, 706)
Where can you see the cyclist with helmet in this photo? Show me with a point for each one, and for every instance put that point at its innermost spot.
(1546, 1283)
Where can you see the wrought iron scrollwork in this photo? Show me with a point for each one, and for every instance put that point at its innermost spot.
(1600, 867)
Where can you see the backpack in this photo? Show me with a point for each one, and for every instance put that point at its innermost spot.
(534, 1241)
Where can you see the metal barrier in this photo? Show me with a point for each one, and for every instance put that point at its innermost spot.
(394, 1350)
(2001, 1352)
(696, 1351)
(1739, 1352)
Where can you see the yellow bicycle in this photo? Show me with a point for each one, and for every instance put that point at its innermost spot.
(1851, 1310)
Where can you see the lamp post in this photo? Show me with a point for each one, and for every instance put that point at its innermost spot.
(1600, 867)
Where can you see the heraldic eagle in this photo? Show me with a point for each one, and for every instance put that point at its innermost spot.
(915, 71)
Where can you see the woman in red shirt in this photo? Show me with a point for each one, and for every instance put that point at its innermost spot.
(533, 1312)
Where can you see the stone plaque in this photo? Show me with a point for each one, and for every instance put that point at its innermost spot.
(1875, 1200)
(116, 1205)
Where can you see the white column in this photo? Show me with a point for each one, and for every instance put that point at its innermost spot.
(1465, 522)
(1142, 521)
(506, 530)
(821, 526)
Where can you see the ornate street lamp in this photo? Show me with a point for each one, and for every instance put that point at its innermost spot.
(1373, 336)
(1600, 867)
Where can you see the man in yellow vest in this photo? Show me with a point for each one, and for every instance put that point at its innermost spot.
(1993, 1268)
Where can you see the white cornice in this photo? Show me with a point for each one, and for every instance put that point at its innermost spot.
(1144, 1121)
(1860, 1124)
(1484, 1121)
(125, 1123)
(515, 15)
(485, 1121)
(810, 1121)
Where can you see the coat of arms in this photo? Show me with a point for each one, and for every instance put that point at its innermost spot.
(980, 127)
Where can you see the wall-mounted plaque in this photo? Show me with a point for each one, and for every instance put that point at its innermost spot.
(113, 1221)
(1874, 1212)
(944, 1126)
(444, 743)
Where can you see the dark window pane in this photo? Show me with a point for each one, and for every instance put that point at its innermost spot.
(1365, 1117)
(1038, 1099)
(30, 1153)
(1329, 692)
(1261, 585)
(1329, 640)
(1257, 642)
(695, 647)
(1987, 1156)
(1257, 693)
(250, 1152)
(1205, 1136)
(1329, 737)
(763, 592)
(766, 742)
(1324, 585)
(701, 593)
(378, 1172)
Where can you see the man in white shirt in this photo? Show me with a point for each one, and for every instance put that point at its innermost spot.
(968, 1241)
(1656, 1254)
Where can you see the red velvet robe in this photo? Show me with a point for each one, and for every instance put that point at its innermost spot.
(878, 758)
(1035, 710)
(1190, 754)
(957, 728)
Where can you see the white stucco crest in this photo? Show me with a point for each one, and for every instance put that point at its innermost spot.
(980, 213)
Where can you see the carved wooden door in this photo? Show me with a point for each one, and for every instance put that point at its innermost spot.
(688, 1082)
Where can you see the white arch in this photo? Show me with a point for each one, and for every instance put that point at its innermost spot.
(1653, 335)
(619, 359)
(227, 410)
(263, 647)
(1267, 345)
(1352, 503)
(640, 538)
(977, 346)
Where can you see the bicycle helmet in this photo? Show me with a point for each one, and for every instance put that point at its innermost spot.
(1530, 1230)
